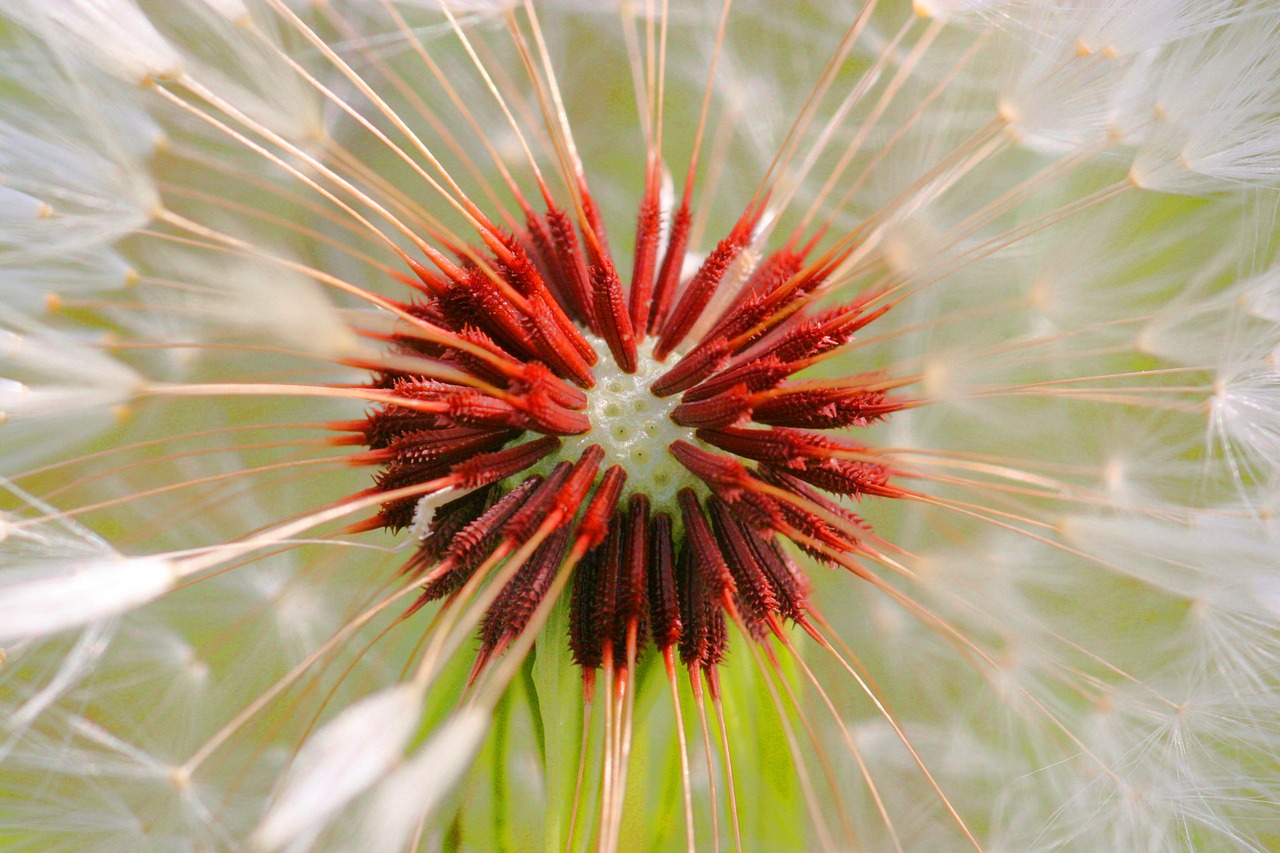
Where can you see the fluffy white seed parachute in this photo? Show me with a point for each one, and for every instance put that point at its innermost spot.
(411, 794)
(114, 34)
(48, 599)
(340, 761)
(251, 298)
(55, 390)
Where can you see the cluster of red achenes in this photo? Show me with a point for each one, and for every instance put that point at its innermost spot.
(509, 317)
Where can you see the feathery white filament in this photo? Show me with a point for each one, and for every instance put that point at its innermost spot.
(341, 760)
(414, 791)
(113, 33)
(52, 598)
(279, 305)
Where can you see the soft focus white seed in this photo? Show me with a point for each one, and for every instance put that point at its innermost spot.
(114, 34)
(18, 208)
(1209, 106)
(233, 10)
(75, 665)
(241, 59)
(56, 391)
(79, 190)
(35, 602)
(39, 288)
(268, 303)
(338, 762)
(1244, 418)
(1125, 27)
(1057, 101)
(50, 374)
(1260, 295)
(947, 9)
(413, 792)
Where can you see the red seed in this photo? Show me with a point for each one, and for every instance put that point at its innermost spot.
(672, 263)
(664, 606)
(431, 283)
(633, 607)
(609, 585)
(447, 522)
(710, 588)
(807, 521)
(434, 445)
(544, 253)
(701, 287)
(469, 548)
(570, 497)
(594, 524)
(648, 224)
(435, 450)
(571, 263)
(536, 375)
(511, 611)
(692, 369)
(611, 316)
(544, 415)
(551, 343)
(412, 466)
(721, 410)
(522, 524)
(491, 467)
(847, 478)
(596, 223)
(719, 472)
(755, 597)
(478, 302)
(824, 408)
(772, 273)
(517, 268)
(757, 375)
(586, 638)
(475, 408)
(385, 423)
(731, 482)
(476, 365)
(790, 586)
(779, 446)
(747, 319)
(526, 278)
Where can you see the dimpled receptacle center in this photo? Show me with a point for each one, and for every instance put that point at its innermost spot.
(634, 427)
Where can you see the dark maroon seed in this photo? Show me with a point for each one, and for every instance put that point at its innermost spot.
(488, 468)
(664, 290)
(511, 611)
(633, 606)
(446, 524)
(477, 540)
(525, 520)
(586, 640)
(754, 591)
(710, 586)
(664, 606)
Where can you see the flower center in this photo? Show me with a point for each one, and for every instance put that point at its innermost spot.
(660, 488)
(634, 428)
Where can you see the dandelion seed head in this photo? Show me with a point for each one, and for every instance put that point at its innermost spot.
(369, 475)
